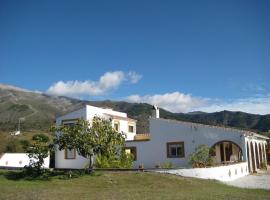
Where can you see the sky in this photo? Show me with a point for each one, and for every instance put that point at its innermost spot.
(182, 55)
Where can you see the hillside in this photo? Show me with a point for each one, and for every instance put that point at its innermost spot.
(39, 111)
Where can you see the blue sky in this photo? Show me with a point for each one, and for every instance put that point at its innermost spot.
(181, 55)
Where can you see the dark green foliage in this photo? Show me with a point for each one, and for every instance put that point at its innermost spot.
(30, 174)
(41, 138)
(201, 157)
(25, 144)
(99, 139)
(263, 123)
(124, 161)
(12, 146)
(37, 151)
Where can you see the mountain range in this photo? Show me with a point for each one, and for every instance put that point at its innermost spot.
(38, 111)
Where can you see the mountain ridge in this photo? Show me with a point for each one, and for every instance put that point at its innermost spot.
(40, 110)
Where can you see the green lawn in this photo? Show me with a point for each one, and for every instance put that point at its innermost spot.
(123, 185)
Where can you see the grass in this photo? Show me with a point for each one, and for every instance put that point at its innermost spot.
(122, 185)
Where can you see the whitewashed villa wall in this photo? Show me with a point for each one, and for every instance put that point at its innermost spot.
(221, 173)
(150, 153)
(88, 113)
(18, 160)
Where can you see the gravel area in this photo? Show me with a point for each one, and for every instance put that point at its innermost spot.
(260, 180)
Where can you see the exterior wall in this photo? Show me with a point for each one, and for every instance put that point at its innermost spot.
(93, 111)
(60, 161)
(150, 153)
(88, 113)
(124, 128)
(78, 114)
(18, 160)
(78, 163)
(221, 173)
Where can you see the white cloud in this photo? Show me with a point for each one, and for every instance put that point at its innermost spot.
(108, 81)
(179, 102)
(174, 102)
(255, 105)
(134, 77)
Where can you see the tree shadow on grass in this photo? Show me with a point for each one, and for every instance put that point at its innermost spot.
(46, 175)
(23, 175)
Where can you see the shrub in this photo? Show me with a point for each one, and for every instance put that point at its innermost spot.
(37, 152)
(167, 165)
(158, 165)
(25, 144)
(11, 146)
(201, 157)
(122, 161)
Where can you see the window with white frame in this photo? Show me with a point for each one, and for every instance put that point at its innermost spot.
(175, 150)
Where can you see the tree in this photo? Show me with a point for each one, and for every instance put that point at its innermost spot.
(201, 157)
(11, 146)
(25, 145)
(38, 150)
(100, 138)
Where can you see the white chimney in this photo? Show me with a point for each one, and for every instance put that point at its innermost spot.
(155, 111)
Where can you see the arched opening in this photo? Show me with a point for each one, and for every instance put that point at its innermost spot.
(252, 157)
(226, 152)
(257, 156)
(248, 158)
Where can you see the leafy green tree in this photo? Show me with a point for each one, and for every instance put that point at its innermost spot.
(99, 138)
(25, 144)
(38, 150)
(201, 157)
(12, 145)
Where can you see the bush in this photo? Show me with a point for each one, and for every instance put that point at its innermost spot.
(122, 161)
(158, 166)
(167, 165)
(37, 152)
(11, 146)
(201, 157)
(25, 144)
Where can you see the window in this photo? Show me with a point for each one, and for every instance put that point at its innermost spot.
(70, 154)
(131, 129)
(116, 126)
(69, 122)
(175, 150)
(131, 150)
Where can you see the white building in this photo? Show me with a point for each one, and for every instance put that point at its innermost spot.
(174, 141)
(120, 121)
(170, 141)
(19, 160)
